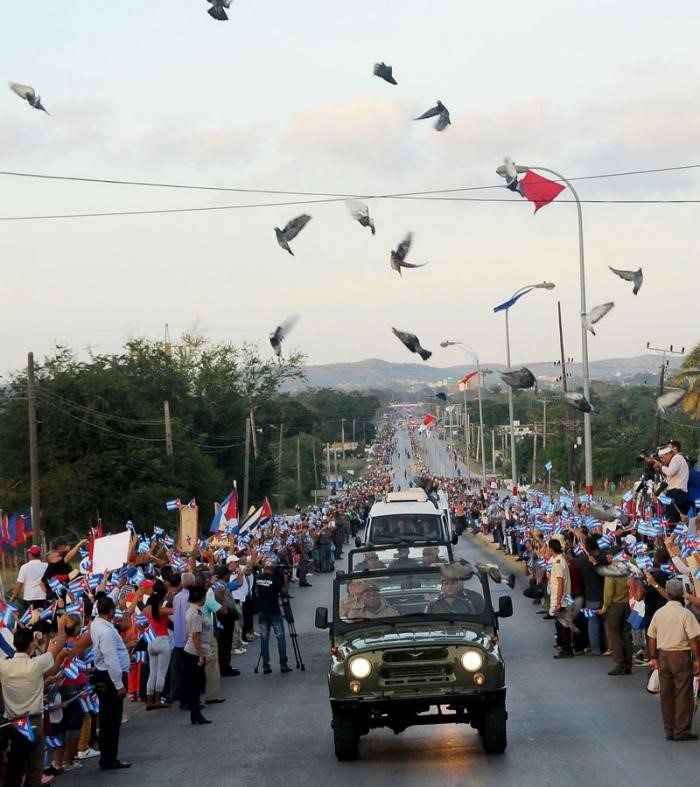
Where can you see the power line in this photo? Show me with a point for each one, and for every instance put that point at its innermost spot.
(100, 413)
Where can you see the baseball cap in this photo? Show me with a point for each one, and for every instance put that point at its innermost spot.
(34, 550)
(232, 559)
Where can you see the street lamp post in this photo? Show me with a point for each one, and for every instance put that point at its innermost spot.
(545, 285)
(588, 440)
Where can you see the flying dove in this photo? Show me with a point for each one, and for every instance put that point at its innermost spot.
(360, 212)
(410, 340)
(399, 255)
(636, 276)
(441, 111)
(28, 94)
(291, 230)
(519, 378)
(383, 71)
(512, 182)
(217, 9)
(280, 334)
(594, 315)
(578, 401)
(670, 399)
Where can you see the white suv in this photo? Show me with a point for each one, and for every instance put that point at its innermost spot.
(406, 516)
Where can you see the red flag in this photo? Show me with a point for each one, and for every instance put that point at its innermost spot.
(467, 377)
(539, 190)
(428, 420)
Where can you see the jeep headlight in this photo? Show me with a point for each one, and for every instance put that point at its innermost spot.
(472, 660)
(360, 667)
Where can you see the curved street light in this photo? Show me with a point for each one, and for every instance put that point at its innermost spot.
(587, 437)
(472, 353)
(545, 285)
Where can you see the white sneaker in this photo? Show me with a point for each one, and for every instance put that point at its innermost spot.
(88, 754)
(124, 719)
(239, 651)
(256, 633)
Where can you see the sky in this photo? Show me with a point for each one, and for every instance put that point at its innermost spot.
(282, 97)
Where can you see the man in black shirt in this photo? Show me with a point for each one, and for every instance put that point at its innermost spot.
(59, 566)
(270, 585)
(593, 590)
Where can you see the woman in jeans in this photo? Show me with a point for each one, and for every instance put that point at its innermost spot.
(159, 649)
(197, 648)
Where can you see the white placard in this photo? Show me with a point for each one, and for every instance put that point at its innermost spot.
(110, 552)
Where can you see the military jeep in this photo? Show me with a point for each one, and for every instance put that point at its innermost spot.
(416, 646)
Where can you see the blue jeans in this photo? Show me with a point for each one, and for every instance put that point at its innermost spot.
(264, 624)
(595, 624)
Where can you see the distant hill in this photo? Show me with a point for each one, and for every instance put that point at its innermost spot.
(378, 374)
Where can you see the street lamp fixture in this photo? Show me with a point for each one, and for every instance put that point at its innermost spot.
(588, 440)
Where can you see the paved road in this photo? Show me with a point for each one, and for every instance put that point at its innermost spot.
(568, 720)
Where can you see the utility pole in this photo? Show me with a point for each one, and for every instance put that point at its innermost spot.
(534, 456)
(299, 469)
(353, 430)
(662, 373)
(567, 431)
(33, 453)
(342, 435)
(335, 457)
(246, 466)
(313, 454)
(279, 469)
(493, 452)
(168, 429)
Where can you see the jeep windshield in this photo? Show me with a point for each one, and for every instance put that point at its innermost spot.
(401, 556)
(393, 596)
(392, 528)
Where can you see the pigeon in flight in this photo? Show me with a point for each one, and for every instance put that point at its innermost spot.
(383, 71)
(360, 212)
(291, 230)
(448, 343)
(519, 378)
(442, 396)
(670, 399)
(398, 255)
(410, 340)
(578, 401)
(441, 111)
(512, 182)
(28, 94)
(217, 9)
(636, 276)
(594, 315)
(280, 334)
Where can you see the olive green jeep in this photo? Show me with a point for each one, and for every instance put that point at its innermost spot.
(416, 645)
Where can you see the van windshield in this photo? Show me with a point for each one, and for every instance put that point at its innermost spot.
(405, 527)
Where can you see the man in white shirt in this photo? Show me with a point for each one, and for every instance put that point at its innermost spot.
(22, 680)
(29, 579)
(112, 667)
(675, 470)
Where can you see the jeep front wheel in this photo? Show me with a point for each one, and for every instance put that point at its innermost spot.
(345, 737)
(494, 729)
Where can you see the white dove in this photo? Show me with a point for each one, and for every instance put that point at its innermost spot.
(636, 276)
(594, 315)
(360, 212)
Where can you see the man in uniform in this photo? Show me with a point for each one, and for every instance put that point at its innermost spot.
(373, 605)
(673, 633)
(403, 560)
(370, 563)
(431, 557)
(352, 603)
(452, 599)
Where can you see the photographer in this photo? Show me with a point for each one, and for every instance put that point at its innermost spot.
(270, 585)
(672, 465)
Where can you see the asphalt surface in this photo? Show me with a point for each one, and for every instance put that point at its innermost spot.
(567, 720)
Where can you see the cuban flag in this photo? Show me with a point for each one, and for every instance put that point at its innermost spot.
(71, 670)
(24, 728)
(75, 609)
(53, 742)
(628, 496)
(259, 518)
(636, 618)
(48, 613)
(173, 505)
(588, 613)
(227, 514)
(149, 635)
(158, 531)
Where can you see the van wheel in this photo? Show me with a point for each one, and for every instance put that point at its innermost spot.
(345, 737)
(494, 729)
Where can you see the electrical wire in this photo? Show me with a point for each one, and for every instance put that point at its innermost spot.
(43, 394)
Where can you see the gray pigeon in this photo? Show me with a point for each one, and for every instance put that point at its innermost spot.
(636, 276)
(512, 182)
(670, 399)
(519, 378)
(448, 343)
(280, 334)
(383, 71)
(28, 94)
(291, 230)
(410, 340)
(398, 255)
(495, 573)
(578, 401)
(595, 314)
(217, 9)
(360, 212)
(460, 570)
(441, 111)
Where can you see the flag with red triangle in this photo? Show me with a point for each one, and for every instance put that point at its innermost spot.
(539, 190)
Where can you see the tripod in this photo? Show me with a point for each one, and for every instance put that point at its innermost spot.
(289, 617)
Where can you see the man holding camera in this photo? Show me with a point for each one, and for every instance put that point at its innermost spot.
(270, 586)
(672, 465)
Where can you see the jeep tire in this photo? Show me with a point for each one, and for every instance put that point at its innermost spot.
(346, 737)
(494, 729)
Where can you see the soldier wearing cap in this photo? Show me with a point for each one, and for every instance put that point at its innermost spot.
(352, 603)
(674, 637)
(370, 563)
(373, 605)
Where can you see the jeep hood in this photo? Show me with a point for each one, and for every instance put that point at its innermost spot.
(384, 637)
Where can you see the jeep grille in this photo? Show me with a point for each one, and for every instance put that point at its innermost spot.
(416, 675)
(413, 655)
